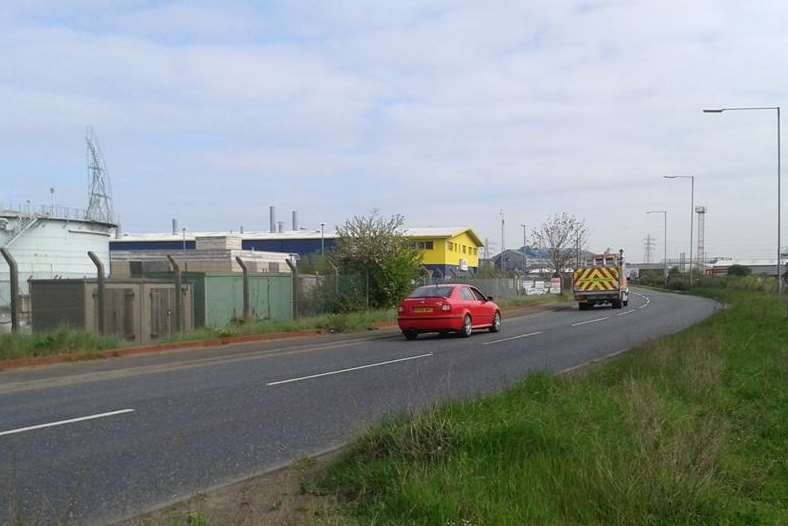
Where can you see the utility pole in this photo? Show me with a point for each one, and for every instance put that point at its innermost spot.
(525, 251)
(322, 239)
(503, 243)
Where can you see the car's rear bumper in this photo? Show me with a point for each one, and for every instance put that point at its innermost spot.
(434, 323)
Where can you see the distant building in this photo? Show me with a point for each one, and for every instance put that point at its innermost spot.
(446, 251)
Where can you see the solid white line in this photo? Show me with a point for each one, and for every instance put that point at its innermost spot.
(595, 360)
(625, 313)
(280, 382)
(63, 422)
(513, 338)
(589, 321)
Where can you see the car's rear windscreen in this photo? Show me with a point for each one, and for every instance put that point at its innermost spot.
(431, 292)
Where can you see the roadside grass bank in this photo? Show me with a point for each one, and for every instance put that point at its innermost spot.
(691, 429)
(60, 341)
(346, 322)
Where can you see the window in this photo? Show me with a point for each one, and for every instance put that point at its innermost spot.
(478, 295)
(431, 292)
(422, 245)
(467, 294)
(451, 246)
(464, 249)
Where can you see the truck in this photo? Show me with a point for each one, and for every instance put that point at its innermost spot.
(601, 280)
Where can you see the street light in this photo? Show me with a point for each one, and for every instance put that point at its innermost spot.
(758, 108)
(692, 215)
(322, 239)
(665, 240)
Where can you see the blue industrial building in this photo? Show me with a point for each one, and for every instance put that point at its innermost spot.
(301, 242)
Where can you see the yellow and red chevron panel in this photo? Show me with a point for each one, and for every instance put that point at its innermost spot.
(596, 278)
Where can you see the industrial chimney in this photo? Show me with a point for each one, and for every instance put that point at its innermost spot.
(281, 225)
(295, 220)
(174, 227)
(272, 218)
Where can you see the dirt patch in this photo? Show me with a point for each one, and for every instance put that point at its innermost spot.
(279, 498)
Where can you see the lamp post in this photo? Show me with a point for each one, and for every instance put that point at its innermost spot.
(665, 240)
(760, 108)
(322, 239)
(692, 215)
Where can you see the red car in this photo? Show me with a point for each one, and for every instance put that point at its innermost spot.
(447, 308)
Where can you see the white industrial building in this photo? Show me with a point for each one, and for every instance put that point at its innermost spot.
(49, 243)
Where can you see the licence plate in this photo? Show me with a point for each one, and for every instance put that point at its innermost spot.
(422, 309)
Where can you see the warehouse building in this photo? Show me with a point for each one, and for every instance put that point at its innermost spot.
(446, 251)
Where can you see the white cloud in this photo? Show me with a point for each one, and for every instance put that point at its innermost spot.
(445, 111)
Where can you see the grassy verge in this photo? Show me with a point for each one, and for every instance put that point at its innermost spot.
(691, 429)
(353, 321)
(80, 344)
(522, 301)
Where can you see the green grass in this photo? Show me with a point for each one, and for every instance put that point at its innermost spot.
(692, 429)
(79, 344)
(522, 301)
(349, 322)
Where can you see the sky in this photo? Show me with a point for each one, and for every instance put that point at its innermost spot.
(447, 112)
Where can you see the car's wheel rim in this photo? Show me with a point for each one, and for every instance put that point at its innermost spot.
(497, 321)
(467, 325)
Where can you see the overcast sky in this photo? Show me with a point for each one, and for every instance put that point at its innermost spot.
(446, 112)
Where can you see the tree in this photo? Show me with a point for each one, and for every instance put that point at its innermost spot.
(562, 236)
(374, 249)
(739, 270)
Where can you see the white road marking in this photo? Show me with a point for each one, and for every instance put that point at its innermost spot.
(625, 313)
(63, 422)
(513, 338)
(648, 300)
(378, 364)
(589, 321)
(595, 360)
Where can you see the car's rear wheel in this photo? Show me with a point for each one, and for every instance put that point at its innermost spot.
(467, 326)
(410, 335)
(496, 324)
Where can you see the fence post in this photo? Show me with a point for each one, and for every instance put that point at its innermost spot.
(294, 278)
(178, 294)
(99, 289)
(247, 307)
(14, 277)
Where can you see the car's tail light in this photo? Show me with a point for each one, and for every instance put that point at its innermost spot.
(446, 307)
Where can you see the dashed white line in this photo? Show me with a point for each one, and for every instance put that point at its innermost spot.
(513, 338)
(589, 321)
(63, 422)
(625, 313)
(340, 371)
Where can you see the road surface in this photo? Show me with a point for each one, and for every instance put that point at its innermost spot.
(96, 442)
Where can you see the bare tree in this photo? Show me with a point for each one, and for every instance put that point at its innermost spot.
(562, 236)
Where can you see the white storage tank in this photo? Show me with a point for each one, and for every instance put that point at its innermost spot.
(48, 243)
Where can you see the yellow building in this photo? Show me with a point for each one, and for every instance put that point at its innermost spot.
(447, 251)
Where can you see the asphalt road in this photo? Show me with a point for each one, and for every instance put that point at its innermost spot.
(96, 442)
